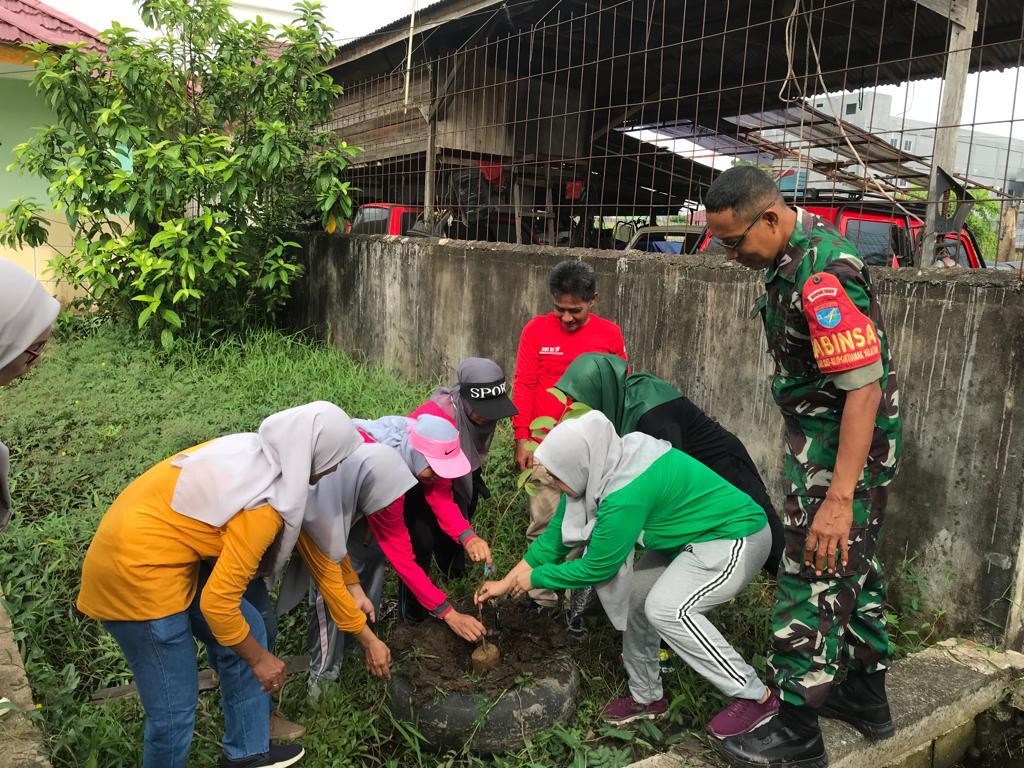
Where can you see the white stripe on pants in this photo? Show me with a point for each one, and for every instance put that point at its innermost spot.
(668, 601)
(326, 643)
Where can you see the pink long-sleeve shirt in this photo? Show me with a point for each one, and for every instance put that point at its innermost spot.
(388, 525)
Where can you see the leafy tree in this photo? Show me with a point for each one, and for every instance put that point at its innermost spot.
(983, 221)
(182, 163)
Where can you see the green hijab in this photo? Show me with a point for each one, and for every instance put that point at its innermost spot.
(601, 381)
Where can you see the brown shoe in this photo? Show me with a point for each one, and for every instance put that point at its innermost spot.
(283, 729)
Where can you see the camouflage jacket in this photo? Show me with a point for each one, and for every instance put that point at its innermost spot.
(810, 401)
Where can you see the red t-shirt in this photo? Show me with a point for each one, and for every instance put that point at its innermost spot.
(546, 350)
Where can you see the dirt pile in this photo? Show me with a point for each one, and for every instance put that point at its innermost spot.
(433, 659)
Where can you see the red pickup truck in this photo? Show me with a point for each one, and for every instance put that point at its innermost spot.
(880, 229)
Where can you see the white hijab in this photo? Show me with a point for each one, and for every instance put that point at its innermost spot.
(588, 455)
(26, 310)
(271, 466)
(366, 482)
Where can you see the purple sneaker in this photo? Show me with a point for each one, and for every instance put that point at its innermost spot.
(626, 710)
(742, 716)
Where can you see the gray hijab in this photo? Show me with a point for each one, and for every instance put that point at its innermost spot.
(26, 310)
(370, 479)
(393, 431)
(474, 438)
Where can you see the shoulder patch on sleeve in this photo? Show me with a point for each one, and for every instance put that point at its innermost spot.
(842, 337)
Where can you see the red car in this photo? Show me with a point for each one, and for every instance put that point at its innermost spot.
(881, 230)
(384, 219)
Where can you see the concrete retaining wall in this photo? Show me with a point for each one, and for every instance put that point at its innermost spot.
(418, 306)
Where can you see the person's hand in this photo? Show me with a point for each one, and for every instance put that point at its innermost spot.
(478, 550)
(524, 456)
(378, 658)
(519, 579)
(829, 532)
(465, 626)
(363, 603)
(270, 671)
(490, 590)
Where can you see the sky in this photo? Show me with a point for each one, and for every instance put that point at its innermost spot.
(993, 97)
(349, 18)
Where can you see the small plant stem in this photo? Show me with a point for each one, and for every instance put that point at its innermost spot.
(480, 616)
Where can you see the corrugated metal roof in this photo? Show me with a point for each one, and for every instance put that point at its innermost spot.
(23, 22)
(428, 17)
(400, 23)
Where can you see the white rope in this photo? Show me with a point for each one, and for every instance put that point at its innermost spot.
(790, 35)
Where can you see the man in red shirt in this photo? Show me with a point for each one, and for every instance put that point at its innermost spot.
(547, 345)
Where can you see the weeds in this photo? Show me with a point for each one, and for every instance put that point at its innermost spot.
(103, 407)
(912, 628)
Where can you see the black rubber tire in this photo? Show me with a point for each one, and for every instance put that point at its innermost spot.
(490, 725)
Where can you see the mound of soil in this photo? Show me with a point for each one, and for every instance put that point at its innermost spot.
(432, 658)
(433, 683)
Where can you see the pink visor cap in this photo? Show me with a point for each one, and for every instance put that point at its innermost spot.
(438, 440)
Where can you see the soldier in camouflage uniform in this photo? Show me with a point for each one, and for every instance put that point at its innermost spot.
(835, 384)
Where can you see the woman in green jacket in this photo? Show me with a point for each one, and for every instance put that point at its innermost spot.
(702, 542)
(641, 402)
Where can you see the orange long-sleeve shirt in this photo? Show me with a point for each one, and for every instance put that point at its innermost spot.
(144, 559)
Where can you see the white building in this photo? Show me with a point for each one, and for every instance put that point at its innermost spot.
(990, 159)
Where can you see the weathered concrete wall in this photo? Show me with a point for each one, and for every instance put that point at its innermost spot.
(419, 306)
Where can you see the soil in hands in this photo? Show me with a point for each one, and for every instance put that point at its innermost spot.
(433, 658)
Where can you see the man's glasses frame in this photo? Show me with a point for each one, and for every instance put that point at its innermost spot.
(733, 243)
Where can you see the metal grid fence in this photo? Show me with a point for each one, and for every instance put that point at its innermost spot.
(579, 122)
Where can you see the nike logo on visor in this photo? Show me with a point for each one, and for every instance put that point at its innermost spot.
(448, 453)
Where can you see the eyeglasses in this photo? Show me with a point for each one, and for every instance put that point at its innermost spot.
(733, 243)
(33, 353)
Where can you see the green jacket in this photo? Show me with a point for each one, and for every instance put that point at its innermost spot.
(677, 501)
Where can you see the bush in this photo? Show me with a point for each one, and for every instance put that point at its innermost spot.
(182, 161)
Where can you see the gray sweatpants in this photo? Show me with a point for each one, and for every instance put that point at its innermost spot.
(668, 601)
(326, 642)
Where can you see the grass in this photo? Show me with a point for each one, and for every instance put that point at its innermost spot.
(103, 407)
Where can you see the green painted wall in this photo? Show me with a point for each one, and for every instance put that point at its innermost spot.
(21, 114)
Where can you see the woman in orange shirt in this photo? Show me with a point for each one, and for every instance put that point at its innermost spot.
(239, 499)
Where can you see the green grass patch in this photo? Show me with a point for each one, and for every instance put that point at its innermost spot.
(103, 407)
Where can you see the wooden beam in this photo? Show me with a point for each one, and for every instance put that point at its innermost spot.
(636, 109)
(960, 12)
(954, 85)
(445, 94)
(208, 681)
(1008, 239)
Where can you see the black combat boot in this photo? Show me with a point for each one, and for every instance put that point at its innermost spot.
(791, 739)
(861, 702)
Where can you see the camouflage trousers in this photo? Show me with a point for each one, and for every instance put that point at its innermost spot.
(822, 622)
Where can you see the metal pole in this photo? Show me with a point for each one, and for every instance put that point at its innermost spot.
(430, 166)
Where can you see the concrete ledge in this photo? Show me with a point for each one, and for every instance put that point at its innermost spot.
(21, 744)
(935, 697)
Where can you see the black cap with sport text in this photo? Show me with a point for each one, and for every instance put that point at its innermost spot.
(489, 399)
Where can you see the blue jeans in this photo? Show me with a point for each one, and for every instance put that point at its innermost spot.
(162, 657)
